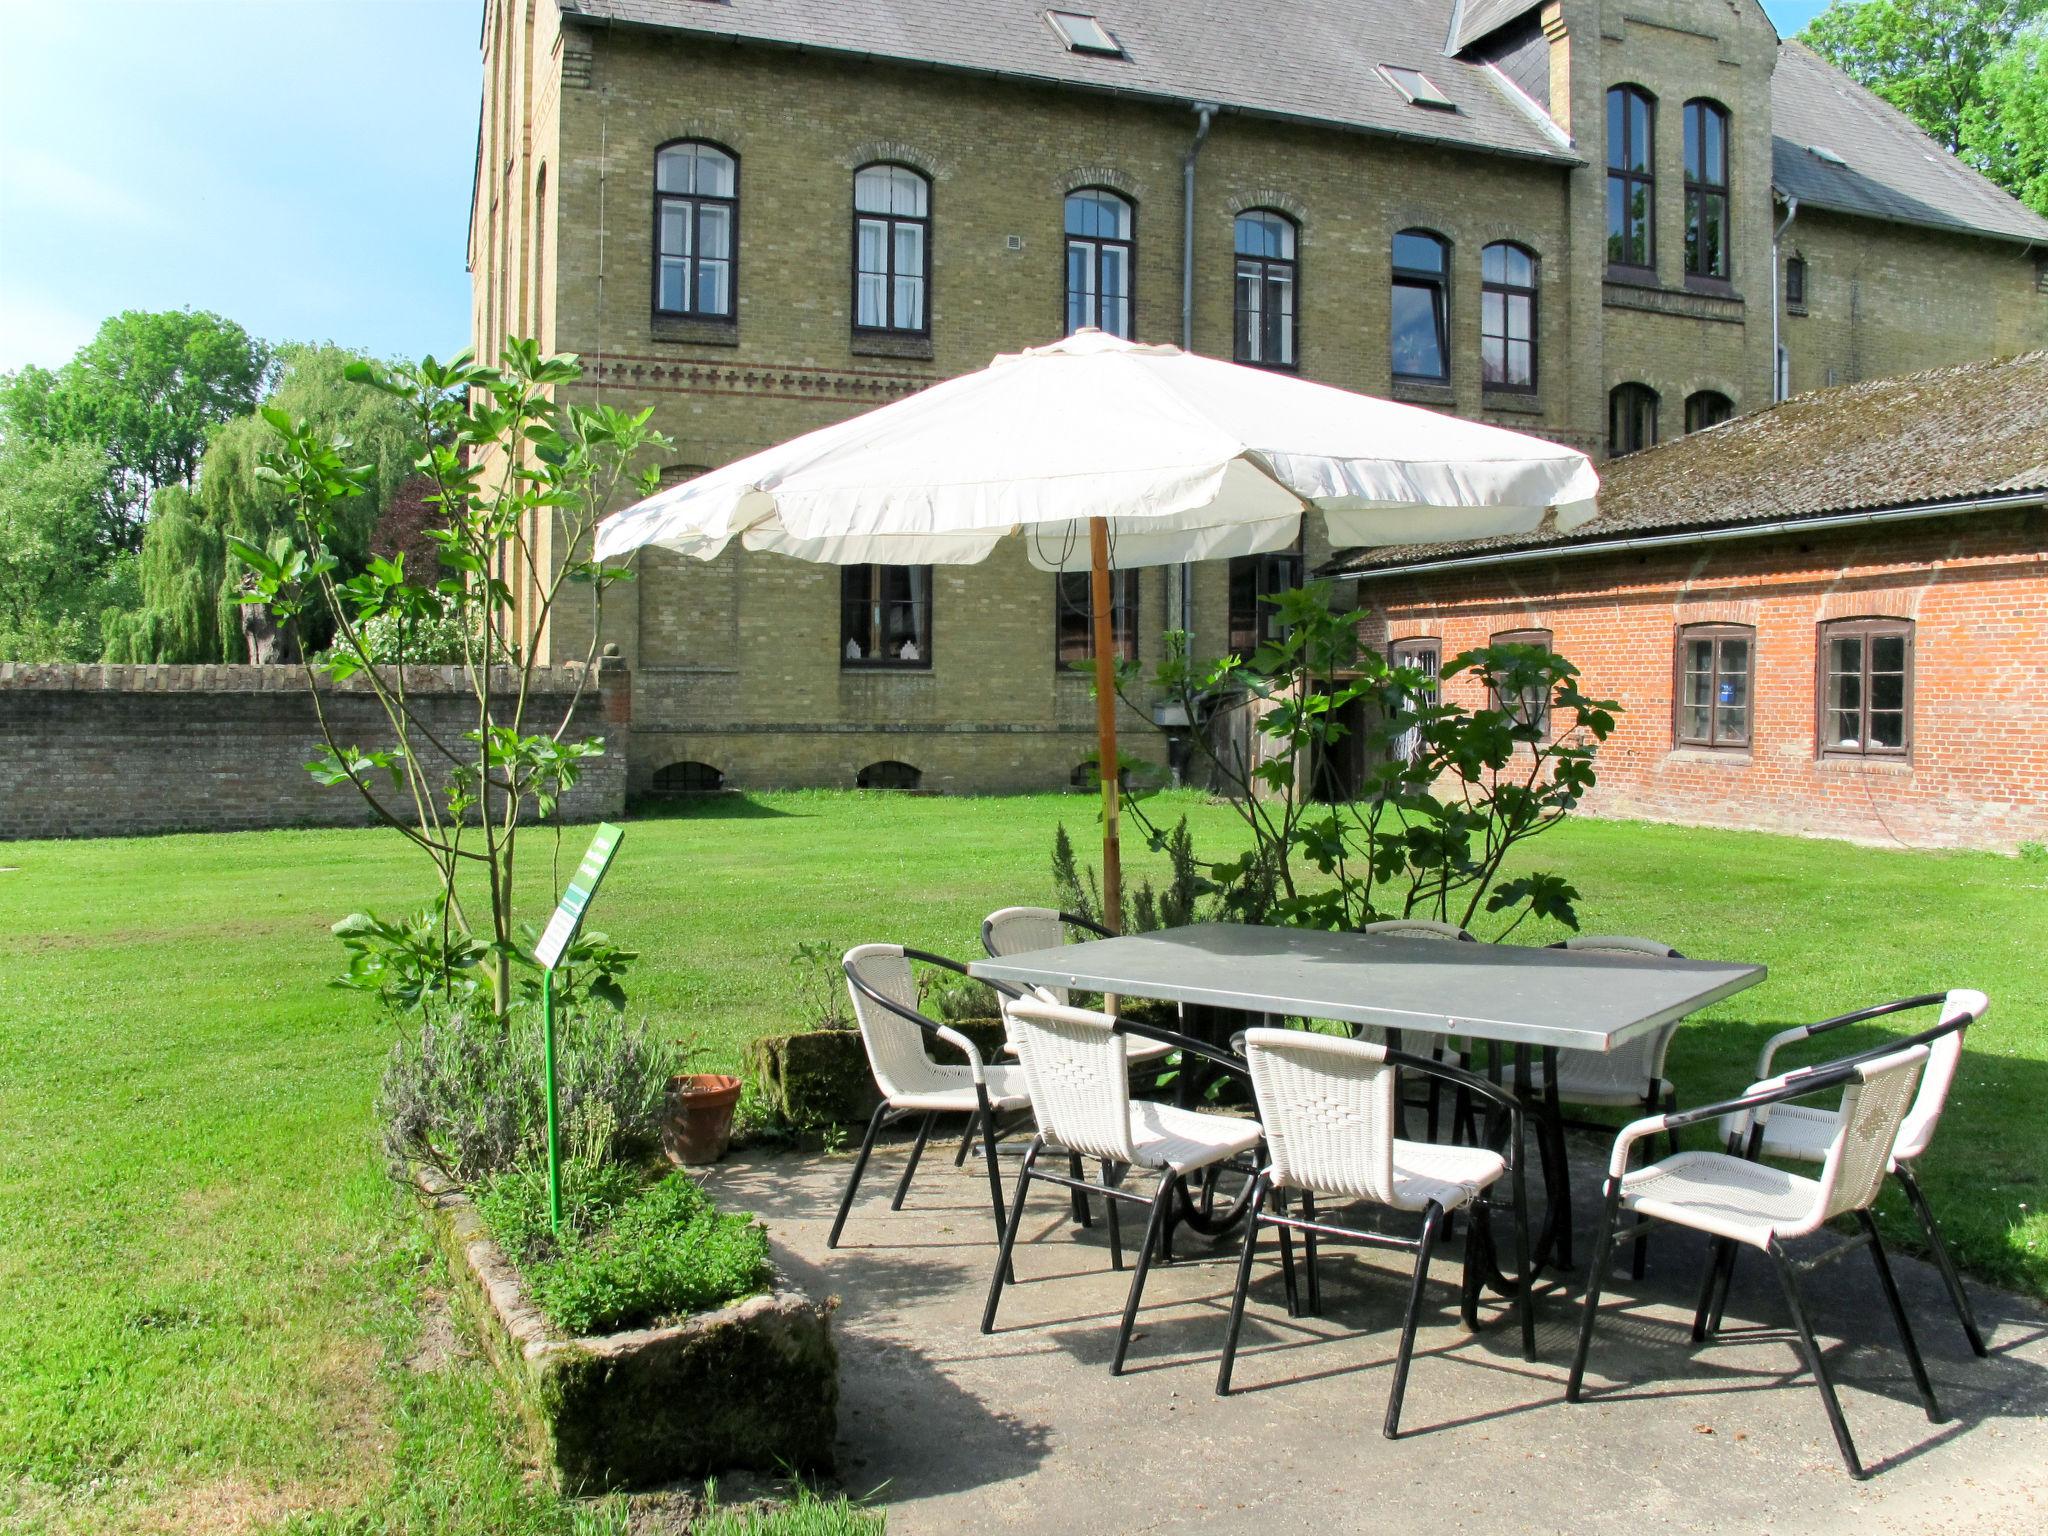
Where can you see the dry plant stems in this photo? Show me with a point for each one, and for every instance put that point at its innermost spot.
(1442, 794)
(507, 460)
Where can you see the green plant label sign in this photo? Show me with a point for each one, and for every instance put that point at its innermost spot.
(577, 896)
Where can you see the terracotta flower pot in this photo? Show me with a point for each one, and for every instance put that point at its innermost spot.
(696, 1125)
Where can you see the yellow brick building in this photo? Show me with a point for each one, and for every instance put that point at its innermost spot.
(761, 216)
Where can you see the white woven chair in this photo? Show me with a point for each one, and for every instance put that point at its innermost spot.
(1438, 1048)
(911, 1083)
(1074, 1061)
(1804, 1132)
(1015, 930)
(1739, 1203)
(1329, 1110)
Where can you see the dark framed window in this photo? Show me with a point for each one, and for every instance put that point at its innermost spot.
(1507, 316)
(1425, 653)
(1866, 688)
(1101, 229)
(885, 616)
(892, 241)
(1252, 578)
(1631, 419)
(1074, 626)
(1707, 237)
(696, 229)
(1631, 178)
(1266, 279)
(1421, 321)
(1707, 408)
(1795, 282)
(1532, 704)
(1715, 671)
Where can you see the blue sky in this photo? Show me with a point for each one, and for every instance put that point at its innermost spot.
(302, 166)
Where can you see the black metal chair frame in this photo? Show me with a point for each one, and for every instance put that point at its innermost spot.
(1159, 1203)
(1478, 1242)
(1902, 1171)
(1796, 1086)
(884, 1115)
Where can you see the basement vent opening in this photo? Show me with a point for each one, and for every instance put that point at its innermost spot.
(888, 775)
(1084, 34)
(1416, 88)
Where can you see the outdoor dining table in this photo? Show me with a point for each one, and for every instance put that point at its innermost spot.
(1521, 999)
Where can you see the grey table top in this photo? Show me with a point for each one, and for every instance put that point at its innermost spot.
(1506, 992)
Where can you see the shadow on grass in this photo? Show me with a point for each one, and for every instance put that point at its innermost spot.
(720, 805)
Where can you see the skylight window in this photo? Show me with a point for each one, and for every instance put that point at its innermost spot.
(1416, 88)
(1084, 34)
(1823, 153)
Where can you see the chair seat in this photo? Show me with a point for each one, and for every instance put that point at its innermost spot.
(1006, 1091)
(1450, 1175)
(1165, 1136)
(1726, 1196)
(1582, 1080)
(1800, 1132)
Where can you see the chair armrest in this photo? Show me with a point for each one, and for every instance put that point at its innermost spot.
(966, 1047)
(1471, 1082)
(1860, 1016)
(1086, 924)
(1794, 1085)
(926, 957)
(1173, 1037)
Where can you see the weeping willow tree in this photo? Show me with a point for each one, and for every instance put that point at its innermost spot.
(192, 609)
(182, 567)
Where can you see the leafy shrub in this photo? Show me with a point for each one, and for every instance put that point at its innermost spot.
(1145, 910)
(822, 1002)
(465, 1090)
(626, 1257)
(951, 997)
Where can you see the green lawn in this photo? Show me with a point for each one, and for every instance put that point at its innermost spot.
(212, 1296)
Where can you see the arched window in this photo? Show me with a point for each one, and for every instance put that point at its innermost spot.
(888, 774)
(696, 214)
(1266, 288)
(1631, 178)
(687, 779)
(1507, 316)
(1707, 237)
(1631, 419)
(1707, 408)
(1715, 664)
(892, 239)
(1100, 228)
(1421, 324)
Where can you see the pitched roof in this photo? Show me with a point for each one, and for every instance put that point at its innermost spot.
(1474, 19)
(1307, 60)
(1888, 168)
(1950, 434)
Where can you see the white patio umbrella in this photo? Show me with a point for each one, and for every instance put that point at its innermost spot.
(1112, 454)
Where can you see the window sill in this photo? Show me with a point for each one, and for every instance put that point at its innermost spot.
(1795, 309)
(886, 668)
(888, 344)
(1633, 277)
(1424, 392)
(1720, 757)
(1712, 287)
(1854, 762)
(703, 333)
(1526, 402)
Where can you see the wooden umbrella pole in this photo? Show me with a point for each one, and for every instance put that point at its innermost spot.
(1105, 720)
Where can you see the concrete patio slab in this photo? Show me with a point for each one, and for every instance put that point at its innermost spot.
(1025, 1430)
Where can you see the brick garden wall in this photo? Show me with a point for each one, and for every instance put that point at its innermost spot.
(106, 751)
(1976, 588)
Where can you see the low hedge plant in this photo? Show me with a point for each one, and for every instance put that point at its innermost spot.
(631, 1254)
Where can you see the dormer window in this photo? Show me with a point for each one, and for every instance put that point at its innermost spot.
(1084, 34)
(1416, 88)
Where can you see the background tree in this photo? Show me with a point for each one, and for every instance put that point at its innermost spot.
(55, 574)
(145, 391)
(2006, 133)
(1925, 57)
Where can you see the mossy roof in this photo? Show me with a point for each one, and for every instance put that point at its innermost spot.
(1946, 435)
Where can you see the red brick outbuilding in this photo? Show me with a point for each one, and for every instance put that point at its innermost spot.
(1829, 617)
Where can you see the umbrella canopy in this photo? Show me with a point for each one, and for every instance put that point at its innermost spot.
(1107, 453)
